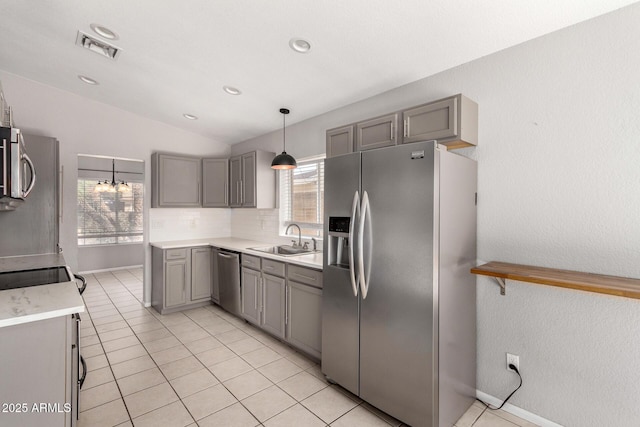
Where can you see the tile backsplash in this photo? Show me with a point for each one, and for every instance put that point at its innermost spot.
(181, 224)
(262, 225)
(256, 224)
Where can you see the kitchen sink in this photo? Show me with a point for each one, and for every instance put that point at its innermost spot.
(285, 250)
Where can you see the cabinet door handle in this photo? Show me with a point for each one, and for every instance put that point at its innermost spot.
(226, 192)
(286, 304)
(406, 128)
(242, 192)
(255, 295)
(391, 131)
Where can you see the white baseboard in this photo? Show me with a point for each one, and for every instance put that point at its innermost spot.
(518, 412)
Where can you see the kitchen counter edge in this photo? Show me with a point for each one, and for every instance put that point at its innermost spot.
(243, 245)
(24, 305)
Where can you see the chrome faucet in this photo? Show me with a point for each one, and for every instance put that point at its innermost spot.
(315, 243)
(299, 233)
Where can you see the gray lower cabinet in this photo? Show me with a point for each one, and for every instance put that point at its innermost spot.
(304, 309)
(181, 278)
(264, 293)
(175, 283)
(215, 183)
(250, 280)
(40, 369)
(215, 289)
(273, 304)
(175, 181)
(201, 274)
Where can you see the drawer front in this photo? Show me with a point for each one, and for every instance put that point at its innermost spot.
(305, 275)
(272, 267)
(251, 261)
(180, 253)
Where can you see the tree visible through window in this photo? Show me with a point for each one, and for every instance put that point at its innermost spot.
(302, 197)
(109, 218)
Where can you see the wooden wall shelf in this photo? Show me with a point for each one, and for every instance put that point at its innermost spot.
(611, 285)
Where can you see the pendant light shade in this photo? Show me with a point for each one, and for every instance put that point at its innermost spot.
(284, 160)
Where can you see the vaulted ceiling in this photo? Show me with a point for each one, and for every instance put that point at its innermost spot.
(176, 56)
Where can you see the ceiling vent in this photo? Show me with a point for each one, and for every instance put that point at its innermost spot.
(97, 46)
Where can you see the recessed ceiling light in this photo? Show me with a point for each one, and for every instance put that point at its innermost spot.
(231, 90)
(104, 32)
(88, 80)
(190, 116)
(300, 45)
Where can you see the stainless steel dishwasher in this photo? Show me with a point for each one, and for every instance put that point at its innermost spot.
(229, 280)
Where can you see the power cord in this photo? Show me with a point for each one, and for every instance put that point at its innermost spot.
(511, 366)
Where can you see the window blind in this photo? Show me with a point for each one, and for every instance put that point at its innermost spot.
(302, 196)
(109, 218)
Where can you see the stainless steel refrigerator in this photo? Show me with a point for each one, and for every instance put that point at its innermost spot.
(399, 302)
(32, 228)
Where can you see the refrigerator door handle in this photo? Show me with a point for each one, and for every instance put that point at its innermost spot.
(355, 212)
(364, 287)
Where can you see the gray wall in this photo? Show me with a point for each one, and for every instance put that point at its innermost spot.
(92, 258)
(559, 186)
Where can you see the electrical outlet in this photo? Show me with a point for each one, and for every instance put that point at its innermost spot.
(514, 360)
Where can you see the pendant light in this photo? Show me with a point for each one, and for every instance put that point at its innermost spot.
(113, 186)
(284, 160)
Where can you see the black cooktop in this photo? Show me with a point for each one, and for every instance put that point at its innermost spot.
(39, 276)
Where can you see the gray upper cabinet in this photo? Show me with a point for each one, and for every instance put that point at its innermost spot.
(377, 133)
(215, 183)
(235, 180)
(340, 141)
(451, 121)
(252, 182)
(248, 192)
(175, 181)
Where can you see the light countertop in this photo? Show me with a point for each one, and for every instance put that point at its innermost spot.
(242, 245)
(34, 303)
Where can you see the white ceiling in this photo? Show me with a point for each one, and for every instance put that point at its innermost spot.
(177, 55)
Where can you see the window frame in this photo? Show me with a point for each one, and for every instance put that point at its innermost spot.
(286, 214)
(81, 234)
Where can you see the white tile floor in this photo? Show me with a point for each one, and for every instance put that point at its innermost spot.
(206, 367)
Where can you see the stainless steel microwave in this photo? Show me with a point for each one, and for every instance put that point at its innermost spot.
(17, 175)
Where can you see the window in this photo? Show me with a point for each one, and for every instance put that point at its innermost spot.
(109, 218)
(302, 196)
